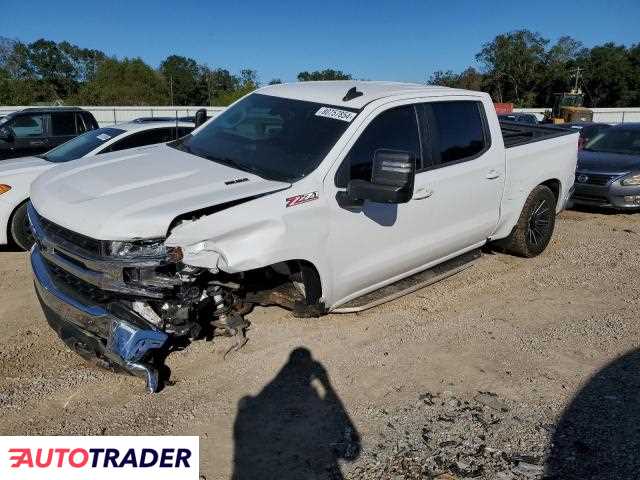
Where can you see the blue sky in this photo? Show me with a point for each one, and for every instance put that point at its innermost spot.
(401, 40)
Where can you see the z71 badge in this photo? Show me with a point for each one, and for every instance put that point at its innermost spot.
(304, 198)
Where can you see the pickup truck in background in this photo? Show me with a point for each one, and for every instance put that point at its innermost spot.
(305, 195)
(35, 130)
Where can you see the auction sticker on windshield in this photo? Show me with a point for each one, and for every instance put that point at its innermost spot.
(104, 137)
(336, 114)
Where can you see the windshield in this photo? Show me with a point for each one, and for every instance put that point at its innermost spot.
(616, 140)
(81, 145)
(273, 137)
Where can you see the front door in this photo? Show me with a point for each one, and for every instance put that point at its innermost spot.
(456, 198)
(29, 135)
(371, 242)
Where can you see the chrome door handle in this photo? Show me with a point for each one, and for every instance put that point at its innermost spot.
(493, 174)
(422, 193)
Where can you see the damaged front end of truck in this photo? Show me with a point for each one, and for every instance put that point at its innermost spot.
(126, 305)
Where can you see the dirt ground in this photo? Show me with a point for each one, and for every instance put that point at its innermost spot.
(313, 398)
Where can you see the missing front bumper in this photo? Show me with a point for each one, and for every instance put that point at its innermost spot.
(98, 333)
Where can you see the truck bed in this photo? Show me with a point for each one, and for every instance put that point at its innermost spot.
(514, 134)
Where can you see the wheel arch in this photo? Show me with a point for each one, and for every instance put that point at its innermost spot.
(10, 240)
(555, 186)
(305, 300)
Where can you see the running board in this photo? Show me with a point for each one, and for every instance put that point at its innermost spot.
(410, 284)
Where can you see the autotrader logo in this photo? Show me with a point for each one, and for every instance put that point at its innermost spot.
(71, 458)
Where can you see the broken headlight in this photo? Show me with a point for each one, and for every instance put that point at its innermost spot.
(154, 248)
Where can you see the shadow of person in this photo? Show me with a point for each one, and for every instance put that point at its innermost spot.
(598, 434)
(295, 428)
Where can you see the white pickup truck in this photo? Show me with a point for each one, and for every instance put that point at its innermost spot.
(304, 195)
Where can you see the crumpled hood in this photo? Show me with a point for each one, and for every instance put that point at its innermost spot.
(19, 166)
(605, 162)
(137, 193)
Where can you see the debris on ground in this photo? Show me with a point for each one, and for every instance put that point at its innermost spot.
(447, 436)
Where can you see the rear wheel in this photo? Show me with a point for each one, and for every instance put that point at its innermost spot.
(20, 229)
(534, 229)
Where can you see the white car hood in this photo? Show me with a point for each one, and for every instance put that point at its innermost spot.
(137, 193)
(19, 166)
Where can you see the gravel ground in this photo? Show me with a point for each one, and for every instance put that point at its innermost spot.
(513, 369)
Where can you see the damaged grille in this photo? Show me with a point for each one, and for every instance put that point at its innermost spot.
(79, 287)
(60, 234)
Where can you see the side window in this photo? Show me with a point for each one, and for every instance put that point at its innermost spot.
(80, 125)
(89, 121)
(395, 129)
(140, 139)
(457, 130)
(27, 126)
(63, 123)
(182, 131)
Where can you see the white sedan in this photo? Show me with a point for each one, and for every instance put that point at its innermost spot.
(17, 174)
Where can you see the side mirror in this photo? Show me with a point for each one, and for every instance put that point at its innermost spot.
(392, 179)
(201, 117)
(6, 134)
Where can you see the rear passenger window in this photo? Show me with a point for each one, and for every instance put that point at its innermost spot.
(80, 126)
(457, 130)
(182, 131)
(147, 137)
(89, 121)
(395, 129)
(63, 123)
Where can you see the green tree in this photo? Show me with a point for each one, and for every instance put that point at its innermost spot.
(634, 60)
(512, 62)
(243, 84)
(327, 74)
(469, 79)
(123, 82)
(443, 78)
(182, 76)
(559, 69)
(608, 76)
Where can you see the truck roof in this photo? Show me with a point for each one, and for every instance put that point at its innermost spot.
(334, 92)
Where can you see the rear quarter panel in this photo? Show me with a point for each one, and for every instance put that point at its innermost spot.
(530, 165)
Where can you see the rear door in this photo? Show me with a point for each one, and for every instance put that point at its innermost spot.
(64, 127)
(458, 191)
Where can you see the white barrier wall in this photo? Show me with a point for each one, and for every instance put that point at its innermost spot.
(604, 115)
(111, 115)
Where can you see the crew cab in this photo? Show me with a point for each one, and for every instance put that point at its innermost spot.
(304, 195)
(35, 130)
(17, 174)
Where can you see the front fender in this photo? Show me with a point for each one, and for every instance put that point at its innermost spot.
(256, 234)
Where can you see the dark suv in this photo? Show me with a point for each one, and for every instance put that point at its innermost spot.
(35, 130)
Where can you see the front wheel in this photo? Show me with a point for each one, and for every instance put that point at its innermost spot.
(20, 228)
(534, 229)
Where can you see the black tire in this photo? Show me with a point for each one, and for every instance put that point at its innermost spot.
(534, 229)
(19, 228)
